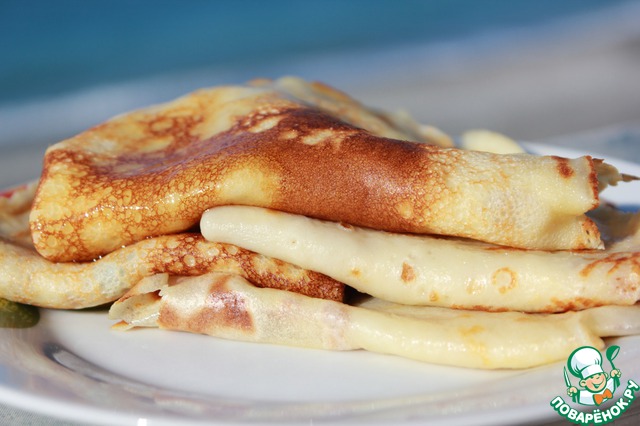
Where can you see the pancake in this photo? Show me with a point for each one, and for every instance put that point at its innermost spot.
(307, 149)
(229, 307)
(446, 272)
(27, 277)
(15, 207)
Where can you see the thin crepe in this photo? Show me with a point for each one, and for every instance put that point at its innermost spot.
(15, 207)
(27, 277)
(425, 270)
(307, 149)
(227, 306)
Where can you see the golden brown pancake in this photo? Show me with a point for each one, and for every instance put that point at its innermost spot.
(302, 148)
(27, 277)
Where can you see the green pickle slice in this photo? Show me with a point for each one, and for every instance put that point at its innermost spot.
(17, 315)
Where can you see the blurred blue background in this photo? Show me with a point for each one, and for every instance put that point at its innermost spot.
(51, 47)
(531, 69)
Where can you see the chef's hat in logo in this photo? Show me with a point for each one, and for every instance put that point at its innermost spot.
(585, 362)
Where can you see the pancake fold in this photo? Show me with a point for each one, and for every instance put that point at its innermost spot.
(454, 273)
(302, 148)
(229, 307)
(27, 277)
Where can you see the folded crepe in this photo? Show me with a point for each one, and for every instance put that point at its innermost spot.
(227, 306)
(307, 149)
(425, 270)
(15, 207)
(27, 277)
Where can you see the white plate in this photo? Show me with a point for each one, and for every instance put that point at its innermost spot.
(72, 366)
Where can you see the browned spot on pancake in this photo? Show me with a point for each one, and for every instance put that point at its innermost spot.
(175, 128)
(345, 226)
(434, 296)
(587, 270)
(594, 182)
(191, 254)
(169, 318)
(505, 279)
(576, 304)
(590, 230)
(408, 273)
(491, 247)
(347, 199)
(356, 272)
(564, 168)
(613, 262)
(479, 308)
(224, 308)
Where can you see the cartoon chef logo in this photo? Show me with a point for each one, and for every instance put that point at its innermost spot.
(595, 388)
(596, 385)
